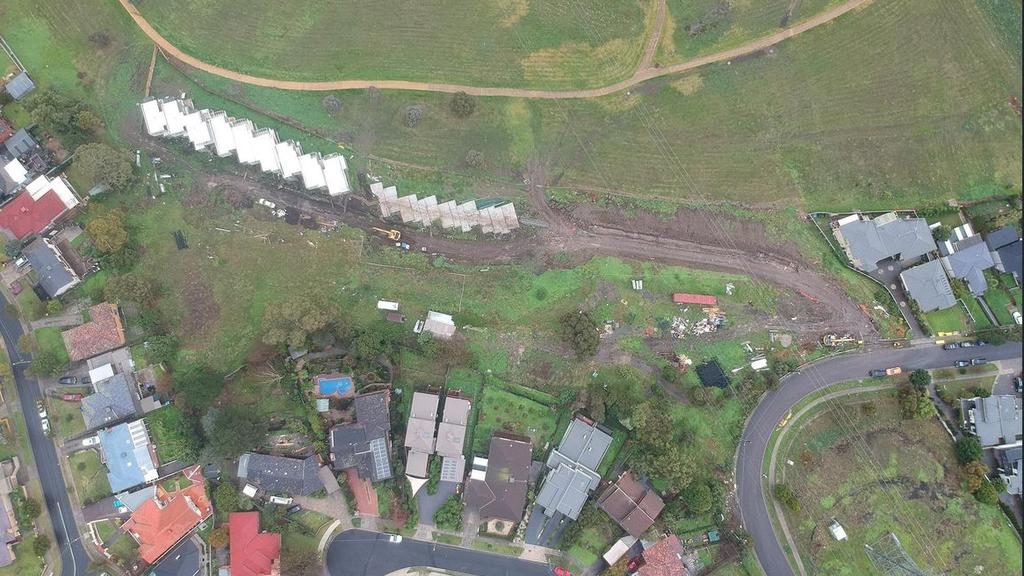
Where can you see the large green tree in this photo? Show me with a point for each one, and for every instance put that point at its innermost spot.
(579, 330)
(102, 164)
(920, 379)
(236, 429)
(293, 321)
(967, 449)
(108, 231)
(198, 386)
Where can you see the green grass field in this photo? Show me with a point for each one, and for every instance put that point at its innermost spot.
(89, 476)
(66, 417)
(50, 340)
(705, 26)
(948, 320)
(502, 410)
(981, 321)
(497, 42)
(877, 474)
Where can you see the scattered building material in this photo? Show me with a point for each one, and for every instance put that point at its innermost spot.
(493, 217)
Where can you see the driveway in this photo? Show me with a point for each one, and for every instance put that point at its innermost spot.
(888, 273)
(544, 531)
(431, 503)
(74, 560)
(775, 404)
(364, 553)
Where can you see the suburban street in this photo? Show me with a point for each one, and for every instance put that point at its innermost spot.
(364, 553)
(74, 560)
(774, 406)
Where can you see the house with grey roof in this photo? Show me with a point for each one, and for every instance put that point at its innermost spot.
(21, 143)
(419, 433)
(573, 466)
(1006, 250)
(451, 438)
(968, 261)
(995, 420)
(928, 285)
(20, 86)
(498, 484)
(279, 474)
(1008, 463)
(55, 275)
(888, 237)
(365, 444)
(115, 400)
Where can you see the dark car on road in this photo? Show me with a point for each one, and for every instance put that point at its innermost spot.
(951, 346)
(68, 380)
(978, 361)
(877, 373)
(962, 363)
(1018, 384)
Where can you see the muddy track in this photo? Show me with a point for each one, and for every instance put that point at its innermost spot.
(810, 303)
(644, 72)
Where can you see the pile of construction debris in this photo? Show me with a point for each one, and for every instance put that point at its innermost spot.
(711, 322)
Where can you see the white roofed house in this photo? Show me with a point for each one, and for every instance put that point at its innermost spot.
(174, 114)
(440, 325)
(198, 129)
(288, 155)
(265, 143)
(245, 148)
(312, 171)
(335, 174)
(153, 118)
(223, 136)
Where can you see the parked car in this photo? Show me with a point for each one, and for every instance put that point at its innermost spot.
(962, 363)
(559, 571)
(967, 344)
(878, 373)
(951, 346)
(978, 361)
(294, 510)
(1018, 384)
(45, 425)
(91, 441)
(41, 409)
(395, 538)
(1017, 318)
(72, 397)
(68, 380)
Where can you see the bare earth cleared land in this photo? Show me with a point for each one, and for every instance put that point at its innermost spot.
(876, 473)
(495, 42)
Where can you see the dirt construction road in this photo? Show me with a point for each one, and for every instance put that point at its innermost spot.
(809, 302)
(645, 71)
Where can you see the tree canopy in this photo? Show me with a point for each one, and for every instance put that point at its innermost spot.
(293, 321)
(462, 105)
(579, 330)
(129, 288)
(920, 379)
(198, 386)
(108, 231)
(967, 449)
(236, 430)
(102, 164)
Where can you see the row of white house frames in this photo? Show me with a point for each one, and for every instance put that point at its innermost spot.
(495, 219)
(206, 129)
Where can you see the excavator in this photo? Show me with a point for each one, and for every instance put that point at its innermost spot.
(389, 234)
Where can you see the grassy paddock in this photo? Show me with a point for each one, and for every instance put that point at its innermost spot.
(549, 44)
(89, 475)
(878, 473)
(502, 410)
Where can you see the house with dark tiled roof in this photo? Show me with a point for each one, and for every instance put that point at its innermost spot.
(185, 559)
(280, 474)
(498, 484)
(253, 553)
(53, 273)
(631, 504)
(366, 443)
(160, 523)
(1006, 250)
(102, 333)
(115, 400)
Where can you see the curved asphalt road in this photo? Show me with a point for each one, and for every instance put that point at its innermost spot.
(364, 553)
(774, 406)
(74, 560)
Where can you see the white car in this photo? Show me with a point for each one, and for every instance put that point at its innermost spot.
(395, 538)
(41, 408)
(91, 441)
(1017, 318)
(45, 424)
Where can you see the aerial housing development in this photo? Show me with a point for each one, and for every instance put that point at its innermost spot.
(648, 288)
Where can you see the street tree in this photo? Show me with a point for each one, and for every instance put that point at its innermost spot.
(920, 379)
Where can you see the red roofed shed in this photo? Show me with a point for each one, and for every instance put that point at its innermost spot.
(252, 553)
(701, 299)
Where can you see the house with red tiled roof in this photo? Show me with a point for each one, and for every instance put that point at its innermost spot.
(102, 333)
(160, 523)
(37, 207)
(663, 559)
(253, 553)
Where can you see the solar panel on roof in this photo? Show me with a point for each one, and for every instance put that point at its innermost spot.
(379, 449)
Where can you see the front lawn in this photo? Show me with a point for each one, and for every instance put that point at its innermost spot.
(981, 321)
(66, 417)
(945, 321)
(50, 340)
(170, 432)
(90, 476)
